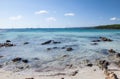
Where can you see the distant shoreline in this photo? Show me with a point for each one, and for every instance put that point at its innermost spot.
(110, 27)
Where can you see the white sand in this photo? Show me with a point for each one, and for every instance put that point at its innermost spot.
(84, 73)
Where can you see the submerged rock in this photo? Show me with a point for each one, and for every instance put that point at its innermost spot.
(47, 42)
(18, 59)
(25, 60)
(8, 41)
(69, 49)
(29, 78)
(94, 43)
(102, 39)
(96, 40)
(105, 39)
(50, 41)
(26, 43)
(7, 44)
(1, 56)
(49, 48)
(1, 66)
(111, 51)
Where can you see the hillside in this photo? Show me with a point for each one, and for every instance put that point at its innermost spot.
(113, 26)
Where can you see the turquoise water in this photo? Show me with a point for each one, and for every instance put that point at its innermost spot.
(78, 39)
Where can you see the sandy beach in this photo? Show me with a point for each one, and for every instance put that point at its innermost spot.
(83, 73)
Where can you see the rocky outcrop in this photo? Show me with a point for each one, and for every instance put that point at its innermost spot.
(103, 64)
(110, 75)
(7, 44)
(105, 39)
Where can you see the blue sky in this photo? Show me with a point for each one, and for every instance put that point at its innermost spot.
(58, 13)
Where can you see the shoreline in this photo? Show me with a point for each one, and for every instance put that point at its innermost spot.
(63, 65)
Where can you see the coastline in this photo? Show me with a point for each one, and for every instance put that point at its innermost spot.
(66, 55)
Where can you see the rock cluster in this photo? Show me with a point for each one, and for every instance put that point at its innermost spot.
(103, 64)
(7, 44)
(18, 59)
(102, 39)
(110, 75)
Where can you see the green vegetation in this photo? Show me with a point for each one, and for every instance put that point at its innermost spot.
(113, 26)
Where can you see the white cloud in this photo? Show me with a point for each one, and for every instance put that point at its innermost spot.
(69, 14)
(15, 17)
(114, 19)
(41, 12)
(51, 19)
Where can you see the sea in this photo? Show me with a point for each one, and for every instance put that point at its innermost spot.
(79, 39)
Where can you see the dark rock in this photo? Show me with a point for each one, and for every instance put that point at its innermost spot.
(21, 67)
(25, 61)
(65, 55)
(117, 63)
(90, 65)
(1, 66)
(111, 51)
(105, 39)
(47, 42)
(8, 45)
(18, 59)
(8, 41)
(96, 40)
(62, 78)
(69, 49)
(50, 41)
(63, 47)
(1, 56)
(29, 78)
(35, 58)
(55, 47)
(118, 55)
(26, 43)
(103, 64)
(69, 66)
(55, 42)
(48, 48)
(74, 73)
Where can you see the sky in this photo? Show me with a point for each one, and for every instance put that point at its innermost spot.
(58, 13)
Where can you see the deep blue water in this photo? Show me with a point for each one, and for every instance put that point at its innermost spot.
(59, 30)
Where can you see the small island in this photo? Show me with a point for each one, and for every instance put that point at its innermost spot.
(112, 26)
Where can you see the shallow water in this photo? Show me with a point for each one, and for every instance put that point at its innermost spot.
(78, 39)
